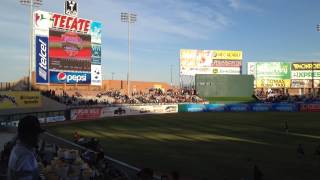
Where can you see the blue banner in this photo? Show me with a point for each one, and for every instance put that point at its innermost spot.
(255, 107)
(284, 107)
(238, 107)
(261, 107)
(192, 108)
(42, 61)
(215, 107)
(70, 77)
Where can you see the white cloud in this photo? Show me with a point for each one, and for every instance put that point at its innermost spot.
(243, 5)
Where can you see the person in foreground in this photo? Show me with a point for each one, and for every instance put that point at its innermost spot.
(22, 162)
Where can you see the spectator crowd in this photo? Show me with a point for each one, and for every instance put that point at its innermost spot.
(277, 96)
(76, 98)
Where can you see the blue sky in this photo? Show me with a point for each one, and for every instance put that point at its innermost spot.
(265, 30)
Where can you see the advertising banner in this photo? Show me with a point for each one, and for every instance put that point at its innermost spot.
(251, 68)
(226, 63)
(52, 119)
(86, 114)
(203, 61)
(282, 107)
(138, 110)
(227, 55)
(273, 70)
(42, 20)
(69, 51)
(96, 32)
(42, 61)
(238, 107)
(305, 74)
(261, 107)
(46, 20)
(96, 75)
(70, 77)
(19, 99)
(96, 54)
(192, 108)
(215, 107)
(301, 83)
(310, 107)
(226, 70)
(273, 83)
(305, 66)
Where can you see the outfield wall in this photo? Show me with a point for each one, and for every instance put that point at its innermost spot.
(121, 110)
(253, 107)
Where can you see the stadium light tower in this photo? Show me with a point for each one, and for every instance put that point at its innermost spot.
(32, 4)
(130, 19)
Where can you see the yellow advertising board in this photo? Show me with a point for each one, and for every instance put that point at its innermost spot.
(227, 55)
(19, 99)
(273, 83)
(194, 61)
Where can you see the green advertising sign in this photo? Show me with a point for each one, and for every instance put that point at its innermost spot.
(273, 70)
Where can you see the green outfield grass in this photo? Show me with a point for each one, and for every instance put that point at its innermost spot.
(228, 100)
(210, 145)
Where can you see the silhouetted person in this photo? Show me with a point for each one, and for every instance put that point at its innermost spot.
(145, 174)
(286, 126)
(257, 174)
(317, 152)
(300, 151)
(22, 162)
(175, 175)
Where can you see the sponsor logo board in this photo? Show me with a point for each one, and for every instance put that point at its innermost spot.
(226, 70)
(310, 107)
(202, 61)
(138, 110)
(42, 61)
(273, 83)
(71, 8)
(96, 32)
(303, 74)
(226, 63)
(86, 114)
(11, 100)
(96, 75)
(305, 66)
(70, 77)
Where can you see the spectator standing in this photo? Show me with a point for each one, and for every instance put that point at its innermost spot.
(22, 162)
(286, 126)
(300, 151)
(257, 174)
(145, 174)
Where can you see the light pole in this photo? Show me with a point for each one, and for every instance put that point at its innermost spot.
(171, 83)
(130, 19)
(31, 3)
(112, 74)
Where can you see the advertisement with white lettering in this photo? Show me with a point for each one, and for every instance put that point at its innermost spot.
(70, 77)
(85, 114)
(42, 61)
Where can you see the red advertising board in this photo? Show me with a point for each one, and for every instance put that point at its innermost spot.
(310, 107)
(85, 114)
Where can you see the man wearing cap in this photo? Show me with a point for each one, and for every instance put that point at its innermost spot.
(22, 163)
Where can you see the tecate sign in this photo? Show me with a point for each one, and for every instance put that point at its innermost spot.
(42, 59)
(70, 77)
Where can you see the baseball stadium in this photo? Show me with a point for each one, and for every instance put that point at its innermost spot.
(225, 119)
